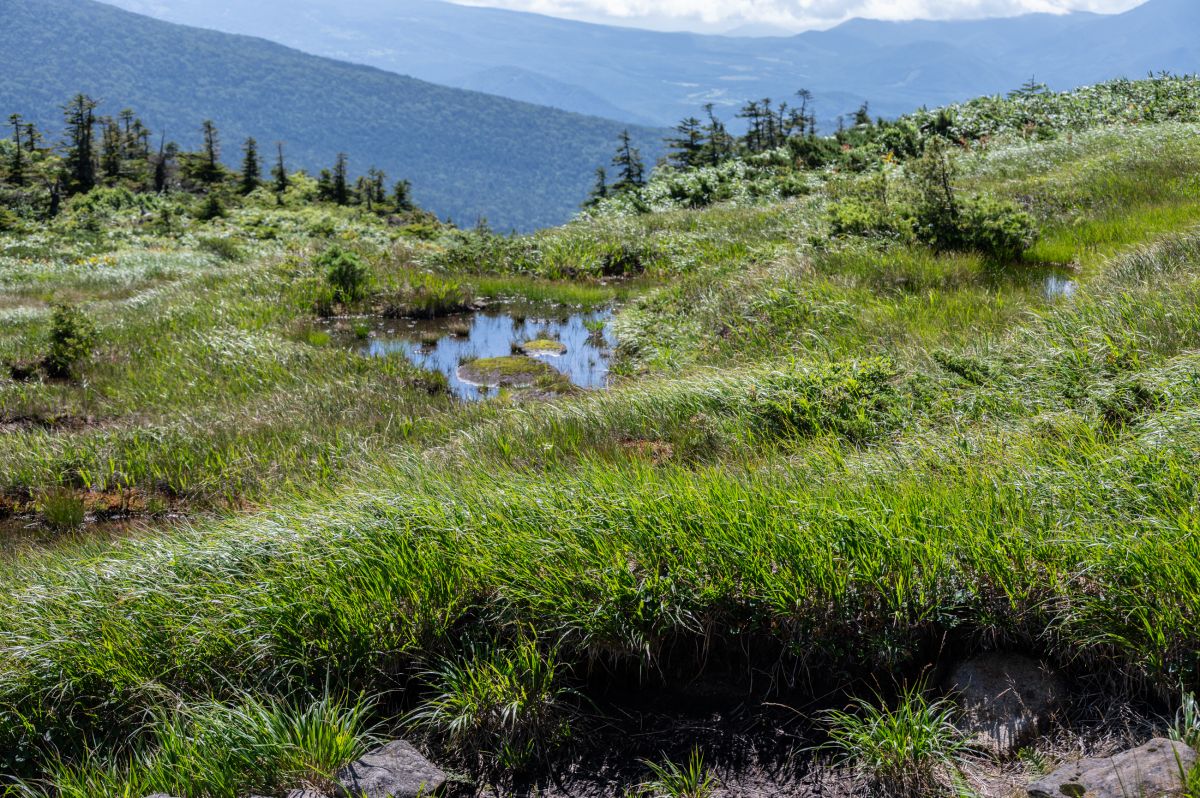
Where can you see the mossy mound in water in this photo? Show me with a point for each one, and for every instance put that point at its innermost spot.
(511, 370)
(544, 346)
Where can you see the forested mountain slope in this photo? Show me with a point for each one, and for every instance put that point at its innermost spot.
(468, 155)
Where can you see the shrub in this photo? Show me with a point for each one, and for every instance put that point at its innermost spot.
(905, 750)
(72, 337)
(346, 274)
(996, 229)
(856, 217)
(211, 208)
(9, 221)
(223, 248)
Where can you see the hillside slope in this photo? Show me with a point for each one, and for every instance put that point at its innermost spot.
(662, 77)
(468, 155)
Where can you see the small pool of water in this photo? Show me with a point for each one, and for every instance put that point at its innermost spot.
(443, 344)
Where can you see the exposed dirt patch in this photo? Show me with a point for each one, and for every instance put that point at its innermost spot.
(46, 421)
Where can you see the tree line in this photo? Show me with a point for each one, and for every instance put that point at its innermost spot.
(100, 151)
(699, 142)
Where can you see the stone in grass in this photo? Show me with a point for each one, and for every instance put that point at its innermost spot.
(543, 347)
(395, 770)
(306, 794)
(1005, 698)
(1154, 770)
(507, 371)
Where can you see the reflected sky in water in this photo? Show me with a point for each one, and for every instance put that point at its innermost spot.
(492, 334)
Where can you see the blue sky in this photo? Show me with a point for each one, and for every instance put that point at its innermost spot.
(792, 15)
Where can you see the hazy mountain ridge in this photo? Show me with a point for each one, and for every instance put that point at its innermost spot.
(469, 155)
(661, 77)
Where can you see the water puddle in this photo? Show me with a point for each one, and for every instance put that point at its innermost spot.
(527, 341)
(1058, 286)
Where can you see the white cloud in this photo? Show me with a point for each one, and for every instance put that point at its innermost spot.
(793, 15)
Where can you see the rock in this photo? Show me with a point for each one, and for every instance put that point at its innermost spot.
(396, 770)
(306, 794)
(1155, 770)
(1005, 698)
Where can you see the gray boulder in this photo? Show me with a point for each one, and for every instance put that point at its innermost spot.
(1154, 770)
(395, 770)
(306, 794)
(1005, 698)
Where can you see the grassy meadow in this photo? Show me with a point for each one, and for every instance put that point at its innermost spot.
(828, 464)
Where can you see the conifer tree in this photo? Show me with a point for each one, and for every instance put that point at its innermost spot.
(279, 171)
(251, 170)
(162, 165)
(16, 166)
(628, 160)
(599, 190)
(111, 146)
(211, 172)
(862, 117)
(402, 196)
(340, 188)
(718, 146)
(80, 120)
(687, 149)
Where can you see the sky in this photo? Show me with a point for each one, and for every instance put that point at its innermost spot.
(765, 16)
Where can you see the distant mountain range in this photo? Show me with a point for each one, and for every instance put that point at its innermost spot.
(658, 78)
(468, 155)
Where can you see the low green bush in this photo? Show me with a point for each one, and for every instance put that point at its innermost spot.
(346, 273)
(72, 338)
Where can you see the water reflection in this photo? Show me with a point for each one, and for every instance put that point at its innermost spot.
(1058, 286)
(443, 344)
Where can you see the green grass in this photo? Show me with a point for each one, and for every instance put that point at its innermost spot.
(669, 780)
(825, 458)
(908, 749)
(223, 751)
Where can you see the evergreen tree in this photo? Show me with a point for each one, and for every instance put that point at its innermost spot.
(340, 189)
(167, 153)
(599, 190)
(364, 193)
(373, 186)
(211, 172)
(16, 166)
(33, 138)
(804, 118)
(628, 160)
(251, 170)
(325, 185)
(402, 196)
(80, 120)
(111, 146)
(862, 117)
(718, 145)
(279, 171)
(1030, 88)
(687, 149)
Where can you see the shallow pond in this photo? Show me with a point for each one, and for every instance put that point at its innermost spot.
(584, 342)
